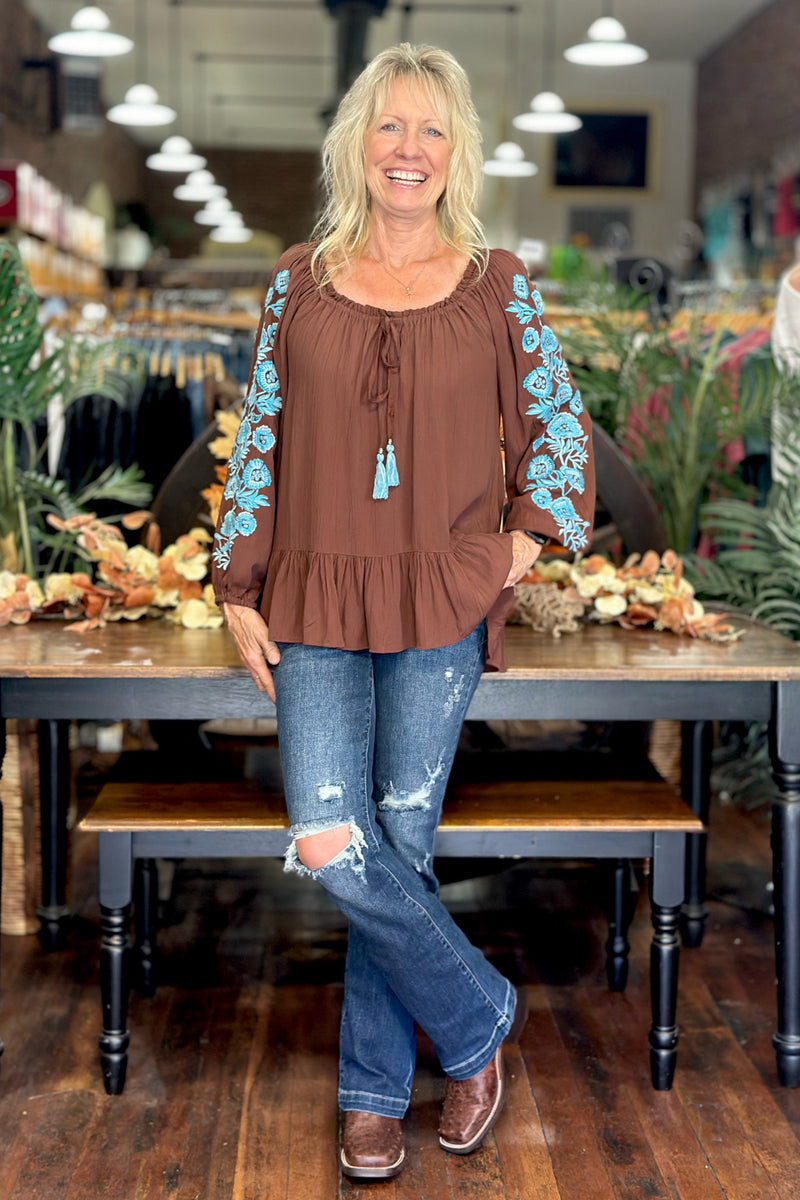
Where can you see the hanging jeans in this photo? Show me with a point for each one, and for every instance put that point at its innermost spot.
(367, 740)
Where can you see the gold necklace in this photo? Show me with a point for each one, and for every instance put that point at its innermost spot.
(407, 286)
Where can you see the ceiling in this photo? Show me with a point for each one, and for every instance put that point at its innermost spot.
(257, 73)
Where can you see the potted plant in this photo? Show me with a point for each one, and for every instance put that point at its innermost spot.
(30, 377)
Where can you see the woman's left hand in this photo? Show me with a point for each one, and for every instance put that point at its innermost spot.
(525, 551)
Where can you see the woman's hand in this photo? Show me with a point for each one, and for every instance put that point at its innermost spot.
(250, 632)
(525, 551)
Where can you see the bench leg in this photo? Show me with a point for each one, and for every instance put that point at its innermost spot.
(667, 889)
(145, 917)
(115, 910)
(618, 946)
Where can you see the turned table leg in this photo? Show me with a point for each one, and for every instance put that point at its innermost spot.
(666, 895)
(115, 909)
(785, 745)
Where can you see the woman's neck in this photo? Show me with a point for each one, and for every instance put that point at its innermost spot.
(397, 243)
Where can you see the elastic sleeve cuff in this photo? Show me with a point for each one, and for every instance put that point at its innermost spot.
(231, 596)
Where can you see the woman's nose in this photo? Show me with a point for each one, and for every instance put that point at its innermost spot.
(409, 144)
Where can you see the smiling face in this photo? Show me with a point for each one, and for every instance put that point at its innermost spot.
(406, 153)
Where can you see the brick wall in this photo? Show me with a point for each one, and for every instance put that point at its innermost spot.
(274, 191)
(748, 95)
(70, 161)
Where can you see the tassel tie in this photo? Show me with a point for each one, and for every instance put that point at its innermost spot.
(387, 367)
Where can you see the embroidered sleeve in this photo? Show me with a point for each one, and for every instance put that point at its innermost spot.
(547, 432)
(243, 537)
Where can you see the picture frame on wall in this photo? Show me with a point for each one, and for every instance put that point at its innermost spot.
(613, 155)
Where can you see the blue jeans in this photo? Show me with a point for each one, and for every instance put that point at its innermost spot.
(367, 740)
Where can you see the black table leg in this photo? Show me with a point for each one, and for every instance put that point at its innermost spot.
(696, 742)
(666, 893)
(617, 945)
(54, 800)
(2, 756)
(145, 920)
(115, 885)
(785, 745)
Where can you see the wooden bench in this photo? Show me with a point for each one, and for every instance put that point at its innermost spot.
(610, 819)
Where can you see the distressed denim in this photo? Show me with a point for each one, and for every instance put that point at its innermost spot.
(367, 740)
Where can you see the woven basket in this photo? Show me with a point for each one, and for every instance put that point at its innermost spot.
(19, 789)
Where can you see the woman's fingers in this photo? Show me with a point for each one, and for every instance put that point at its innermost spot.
(525, 553)
(249, 630)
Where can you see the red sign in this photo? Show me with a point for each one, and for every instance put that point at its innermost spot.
(9, 195)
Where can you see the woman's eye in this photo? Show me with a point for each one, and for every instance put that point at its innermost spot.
(434, 132)
(389, 125)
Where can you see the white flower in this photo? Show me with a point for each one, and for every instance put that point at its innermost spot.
(611, 606)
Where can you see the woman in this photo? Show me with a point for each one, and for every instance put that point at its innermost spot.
(358, 558)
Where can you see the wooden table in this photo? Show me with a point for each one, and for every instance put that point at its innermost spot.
(155, 670)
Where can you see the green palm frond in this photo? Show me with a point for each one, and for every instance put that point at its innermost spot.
(29, 380)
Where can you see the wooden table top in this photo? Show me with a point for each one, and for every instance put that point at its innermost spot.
(158, 649)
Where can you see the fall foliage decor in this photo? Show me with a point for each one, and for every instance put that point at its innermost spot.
(647, 590)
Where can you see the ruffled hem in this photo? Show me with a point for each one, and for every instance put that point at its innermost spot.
(392, 602)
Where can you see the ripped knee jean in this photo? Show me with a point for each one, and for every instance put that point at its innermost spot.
(367, 742)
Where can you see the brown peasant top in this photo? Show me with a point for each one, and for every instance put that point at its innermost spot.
(366, 487)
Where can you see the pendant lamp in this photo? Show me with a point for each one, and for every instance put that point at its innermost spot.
(199, 187)
(141, 107)
(547, 112)
(90, 36)
(509, 159)
(214, 212)
(176, 154)
(606, 45)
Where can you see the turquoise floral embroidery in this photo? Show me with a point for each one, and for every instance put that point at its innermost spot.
(557, 471)
(249, 476)
(522, 311)
(530, 340)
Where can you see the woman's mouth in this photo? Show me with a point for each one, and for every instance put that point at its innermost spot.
(406, 178)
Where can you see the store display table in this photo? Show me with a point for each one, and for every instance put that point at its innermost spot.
(150, 669)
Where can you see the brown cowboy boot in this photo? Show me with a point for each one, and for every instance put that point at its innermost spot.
(372, 1146)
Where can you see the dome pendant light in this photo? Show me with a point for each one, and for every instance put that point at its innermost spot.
(176, 154)
(509, 160)
(606, 45)
(200, 187)
(141, 107)
(90, 36)
(215, 211)
(547, 113)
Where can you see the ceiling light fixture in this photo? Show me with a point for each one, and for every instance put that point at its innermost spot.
(547, 113)
(141, 107)
(214, 212)
(231, 234)
(90, 36)
(199, 187)
(176, 154)
(606, 45)
(509, 159)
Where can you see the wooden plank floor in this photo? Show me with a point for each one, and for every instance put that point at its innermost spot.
(231, 1091)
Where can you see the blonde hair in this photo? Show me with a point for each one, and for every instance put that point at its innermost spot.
(343, 227)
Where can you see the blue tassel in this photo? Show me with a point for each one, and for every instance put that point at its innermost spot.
(392, 478)
(380, 491)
